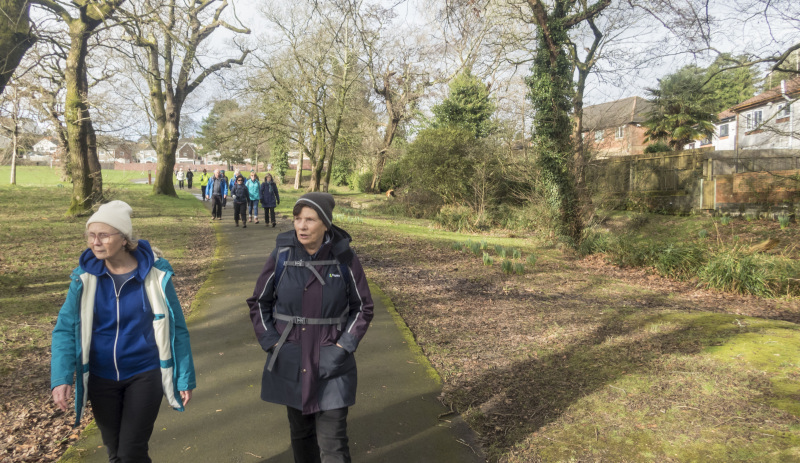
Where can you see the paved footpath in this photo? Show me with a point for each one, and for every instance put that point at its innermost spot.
(396, 417)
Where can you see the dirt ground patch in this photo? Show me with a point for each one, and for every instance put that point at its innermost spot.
(488, 333)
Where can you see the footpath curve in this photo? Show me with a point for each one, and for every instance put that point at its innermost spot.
(397, 417)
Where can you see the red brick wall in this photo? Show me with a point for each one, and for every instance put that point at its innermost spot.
(758, 187)
(631, 143)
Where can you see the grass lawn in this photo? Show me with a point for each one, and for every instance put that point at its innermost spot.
(569, 360)
(577, 360)
(39, 247)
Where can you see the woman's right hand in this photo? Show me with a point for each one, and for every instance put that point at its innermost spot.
(61, 394)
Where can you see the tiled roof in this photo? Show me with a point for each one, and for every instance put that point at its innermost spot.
(616, 113)
(792, 88)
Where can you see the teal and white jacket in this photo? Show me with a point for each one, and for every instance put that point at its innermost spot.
(72, 335)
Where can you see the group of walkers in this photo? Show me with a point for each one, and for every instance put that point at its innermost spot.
(246, 195)
(180, 176)
(122, 341)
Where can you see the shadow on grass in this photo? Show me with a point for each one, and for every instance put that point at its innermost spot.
(507, 406)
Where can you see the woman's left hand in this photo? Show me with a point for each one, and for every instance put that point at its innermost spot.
(186, 396)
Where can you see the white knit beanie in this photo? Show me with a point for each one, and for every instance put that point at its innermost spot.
(117, 214)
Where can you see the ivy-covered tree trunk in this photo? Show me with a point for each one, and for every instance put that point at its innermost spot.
(551, 92)
(15, 36)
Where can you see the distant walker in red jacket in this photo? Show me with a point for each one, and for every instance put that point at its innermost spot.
(309, 333)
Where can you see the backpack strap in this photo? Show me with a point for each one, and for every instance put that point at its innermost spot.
(280, 268)
(311, 264)
(291, 321)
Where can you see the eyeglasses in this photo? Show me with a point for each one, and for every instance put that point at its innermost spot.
(103, 237)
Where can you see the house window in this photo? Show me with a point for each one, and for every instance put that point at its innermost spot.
(723, 130)
(754, 119)
(705, 141)
(620, 132)
(783, 110)
(598, 135)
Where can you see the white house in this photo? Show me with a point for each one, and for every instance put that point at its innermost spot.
(724, 137)
(45, 146)
(148, 155)
(769, 120)
(212, 158)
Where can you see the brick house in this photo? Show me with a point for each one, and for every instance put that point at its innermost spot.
(115, 150)
(769, 119)
(187, 153)
(615, 128)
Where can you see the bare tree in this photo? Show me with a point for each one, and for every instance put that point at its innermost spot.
(398, 76)
(309, 75)
(83, 18)
(12, 106)
(16, 36)
(170, 35)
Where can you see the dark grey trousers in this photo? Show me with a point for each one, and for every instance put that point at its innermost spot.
(320, 437)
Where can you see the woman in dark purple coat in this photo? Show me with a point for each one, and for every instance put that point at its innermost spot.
(310, 333)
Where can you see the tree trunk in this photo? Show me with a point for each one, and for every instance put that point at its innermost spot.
(14, 138)
(551, 92)
(95, 171)
(581, 156)
(74, 113)
(15, 37)
(380, 162)
(298, 176)
(327, 180)
(318, 161)
(166, 146)
(316, 171)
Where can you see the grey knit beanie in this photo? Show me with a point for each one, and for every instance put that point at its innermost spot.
(323, 203)
(117, 214)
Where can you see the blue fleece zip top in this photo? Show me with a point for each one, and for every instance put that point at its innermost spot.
(123, 340)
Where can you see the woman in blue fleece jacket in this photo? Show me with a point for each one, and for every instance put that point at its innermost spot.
(121, 337)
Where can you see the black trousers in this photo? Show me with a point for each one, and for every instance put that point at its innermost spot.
(125, 411)
(203, 192)
(239, 209)
(180, 184)
(216, 207)
(269, 212)
(189, 183)
(320, 437)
